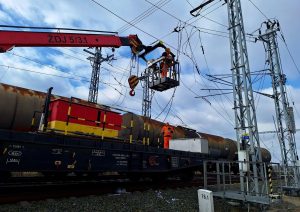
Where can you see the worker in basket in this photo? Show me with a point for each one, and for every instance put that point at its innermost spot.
(155, 69)
(167, 132)
(167, 63)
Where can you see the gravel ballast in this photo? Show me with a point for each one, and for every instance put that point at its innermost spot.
(166, 200)
(152, 200)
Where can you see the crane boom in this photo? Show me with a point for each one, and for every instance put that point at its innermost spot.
(11, 39)
(14, 38)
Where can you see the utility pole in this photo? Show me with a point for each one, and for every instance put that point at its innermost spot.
(96, 60)
(244, 107)
(286, 128)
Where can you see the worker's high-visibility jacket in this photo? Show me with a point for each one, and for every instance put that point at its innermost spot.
(166, 64)
(167, 130)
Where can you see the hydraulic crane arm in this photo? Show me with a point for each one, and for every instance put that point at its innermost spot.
(11, 39)
(149, 49)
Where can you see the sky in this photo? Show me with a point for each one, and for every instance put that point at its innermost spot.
(201, 47)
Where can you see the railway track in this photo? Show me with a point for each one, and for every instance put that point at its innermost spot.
(41, 188)
(11, 192)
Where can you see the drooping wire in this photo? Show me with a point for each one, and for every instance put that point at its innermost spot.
(223, 106)
(208, 69)
(169, 102)
(188, 44)
(204, 98)
(174, 114)
(260, 87)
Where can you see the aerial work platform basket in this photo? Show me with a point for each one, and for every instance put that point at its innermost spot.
(162, 73)
(161, 82)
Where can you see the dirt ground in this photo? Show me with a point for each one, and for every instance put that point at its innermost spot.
(287, 203)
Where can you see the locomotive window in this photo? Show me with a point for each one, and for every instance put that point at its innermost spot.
(98, 117)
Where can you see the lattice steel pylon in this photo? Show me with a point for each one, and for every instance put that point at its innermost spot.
(244, 107)
(147, 94)
(253, 180)
(146, 108)
(94, 84)
(96, 60)
(147, 102)
(284, 113)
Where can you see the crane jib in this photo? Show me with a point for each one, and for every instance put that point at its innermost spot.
(10, 39)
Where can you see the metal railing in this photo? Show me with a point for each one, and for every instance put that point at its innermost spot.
(233, 180)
